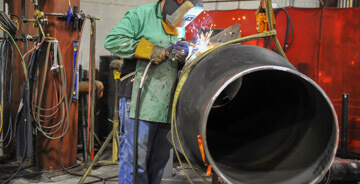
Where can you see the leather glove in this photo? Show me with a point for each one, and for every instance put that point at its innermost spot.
(181, 50)
(159, 54)
(154, 53)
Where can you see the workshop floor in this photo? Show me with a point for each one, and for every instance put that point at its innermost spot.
(32, 175)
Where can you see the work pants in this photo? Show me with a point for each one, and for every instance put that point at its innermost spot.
(153, 148)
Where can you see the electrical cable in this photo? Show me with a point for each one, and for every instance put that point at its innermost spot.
(61, 100)
(26, 99)
(107, 178)
(29, 166)
(22, 162)
(63, 123)
(70, 172)
(42, 41)
(4, 59)
(22, 19)
(38, 117)
(289, 27)
(2, 122)
(21, 56)
(7, 23)
(25, 72)
(136, 126)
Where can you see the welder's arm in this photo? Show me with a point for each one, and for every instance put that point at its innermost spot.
(122, 41)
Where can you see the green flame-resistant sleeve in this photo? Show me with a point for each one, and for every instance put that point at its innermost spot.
(122, 40)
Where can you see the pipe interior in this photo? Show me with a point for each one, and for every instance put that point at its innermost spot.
(276, 127)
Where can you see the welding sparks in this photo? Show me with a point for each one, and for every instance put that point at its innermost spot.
(202, 44)
(203, 41)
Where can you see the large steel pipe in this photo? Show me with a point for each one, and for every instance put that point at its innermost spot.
(261, 120)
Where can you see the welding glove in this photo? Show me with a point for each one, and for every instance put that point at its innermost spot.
(154, 53)
(181, 50)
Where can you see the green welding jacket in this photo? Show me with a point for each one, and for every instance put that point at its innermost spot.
(159, 86)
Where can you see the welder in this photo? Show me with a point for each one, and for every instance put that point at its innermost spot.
(149, 33)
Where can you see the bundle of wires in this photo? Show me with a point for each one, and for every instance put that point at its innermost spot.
(6, 47)
(25, 94)
(6, 87)
(44, 116)
(7, 23)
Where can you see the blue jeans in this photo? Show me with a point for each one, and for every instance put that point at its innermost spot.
(153, 148)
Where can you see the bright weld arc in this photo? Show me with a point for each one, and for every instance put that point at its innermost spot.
(202, 44)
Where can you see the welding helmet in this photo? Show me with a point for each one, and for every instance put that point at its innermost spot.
(179, 13)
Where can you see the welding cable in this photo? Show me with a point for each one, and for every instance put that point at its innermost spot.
(37, 108)
(289, 28)
(22, 19)
(35, 92)
(105, 179)
(7, 23)
(3, 55)
(2, 122)
(8, 134)
(21, 56)
(71, 172)
(42, 40)
(36, 173)
(22, 59)
(25, 96)
(22, 162)
(4, 65)
(26, 103)
(64, 122)
(57, 106)
(8, 95)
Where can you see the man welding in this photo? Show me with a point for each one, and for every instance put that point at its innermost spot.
(149, 33)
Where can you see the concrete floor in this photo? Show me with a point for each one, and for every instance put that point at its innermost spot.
(32, 175)
(103, 171)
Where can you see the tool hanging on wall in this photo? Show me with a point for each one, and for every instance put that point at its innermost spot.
(73, 15)
(75, 76)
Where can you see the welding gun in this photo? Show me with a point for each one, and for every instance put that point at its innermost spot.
(176, 56)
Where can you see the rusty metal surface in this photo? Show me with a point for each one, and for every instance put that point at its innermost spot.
(47, 150)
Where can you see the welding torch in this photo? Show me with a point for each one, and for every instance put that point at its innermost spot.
(174, 57)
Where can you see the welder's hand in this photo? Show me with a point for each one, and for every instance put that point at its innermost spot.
(181, 50)
(159, 54)
(154, 53)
